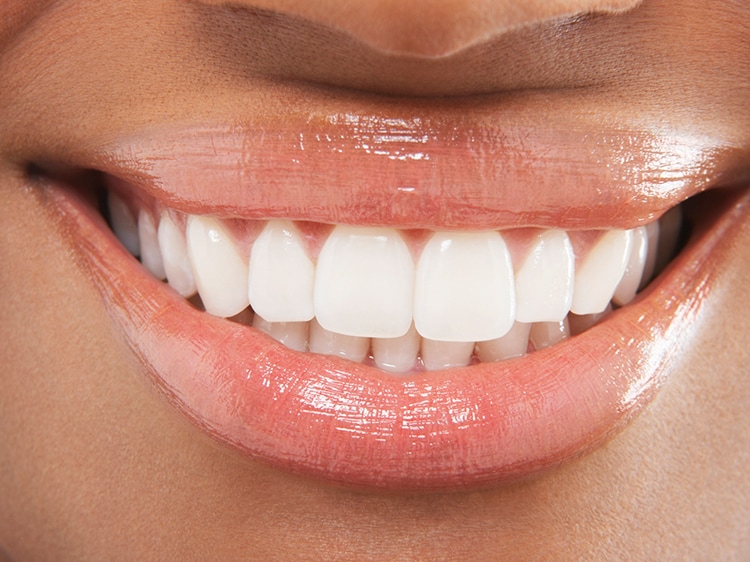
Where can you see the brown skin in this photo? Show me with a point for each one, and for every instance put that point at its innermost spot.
(95, 465)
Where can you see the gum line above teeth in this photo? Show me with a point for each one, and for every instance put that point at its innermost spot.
(460, 297)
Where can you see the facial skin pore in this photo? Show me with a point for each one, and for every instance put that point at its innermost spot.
(94, 464)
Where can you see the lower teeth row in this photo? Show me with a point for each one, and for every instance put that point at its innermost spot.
(368, 299)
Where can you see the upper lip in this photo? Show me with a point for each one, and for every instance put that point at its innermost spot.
(424, 169)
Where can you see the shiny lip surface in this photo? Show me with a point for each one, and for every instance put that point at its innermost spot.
(351, 424)
(432, 172)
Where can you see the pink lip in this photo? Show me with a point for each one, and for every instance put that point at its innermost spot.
(352, 424)
(438, 172)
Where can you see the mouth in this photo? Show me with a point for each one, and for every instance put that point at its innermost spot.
(395, 335)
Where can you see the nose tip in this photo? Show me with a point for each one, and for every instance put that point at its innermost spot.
(433, 28)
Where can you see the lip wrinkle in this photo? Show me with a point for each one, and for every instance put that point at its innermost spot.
(351, 424)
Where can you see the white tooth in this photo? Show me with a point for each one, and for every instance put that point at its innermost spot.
(652, 231)
(173, 249)
(545, 334)
(292, 334)
(628, 286)
(150, 253)
(544, 283)
(123, 224)
(330, 343)
(600, 271)
(397, 355)
(281, 275)
(513, 344)
(464, 290)
(219, 269)
(364, 283)
(445, 354)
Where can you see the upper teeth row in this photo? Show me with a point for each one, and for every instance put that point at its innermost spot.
(463, 286)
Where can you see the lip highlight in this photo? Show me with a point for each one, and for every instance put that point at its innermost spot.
(351, 424)
(432, 172)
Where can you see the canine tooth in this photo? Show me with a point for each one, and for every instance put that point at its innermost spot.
(652, 231)
(173, 247)
(513, 344)
(464, 290)
(281, 275)
(123, 224)
(546, 334)
(293, 335)
(326, 342)
(219, 269)
(600, 272)
(628, 286)
(364, 283)
(397, 355)
(544, 283)
(445, 354)
(150, 253)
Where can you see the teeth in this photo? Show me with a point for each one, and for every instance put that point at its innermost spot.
(150, 253)
(397, 355)
(546, 334)
(173, 247)
(281, 275)
(445, 354)
(365, 293)
(600, 272)
(364, 283)
(293, 335)
(464, 290)
(513, 344)
(220, 271)
(331, 343)
(544, 283)
(124, 225)
(628, 286)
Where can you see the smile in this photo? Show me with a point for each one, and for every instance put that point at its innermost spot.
(412, 346)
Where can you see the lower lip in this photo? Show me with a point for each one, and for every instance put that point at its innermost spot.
(351, 424)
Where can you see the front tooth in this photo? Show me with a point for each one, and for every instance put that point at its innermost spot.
(600, 271)
(364, 283)
(150, 253)
(281, 275)
(464, 290)
(219, 269)
(445, 354)
(631, 279)
(397, 355)
(544, 283)
(546, 334)
(293, 335)
(173, 249)
(330, 343)
(123, 224)
(513, 344)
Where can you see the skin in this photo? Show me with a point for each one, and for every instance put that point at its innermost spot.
(95, 465)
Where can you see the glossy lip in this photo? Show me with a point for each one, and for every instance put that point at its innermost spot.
(434, 171)
(351, 424)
